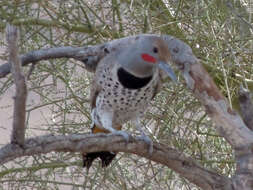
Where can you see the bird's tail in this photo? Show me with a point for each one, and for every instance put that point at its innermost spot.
(105, 156)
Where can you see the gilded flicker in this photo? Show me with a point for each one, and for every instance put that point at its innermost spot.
(125, 82)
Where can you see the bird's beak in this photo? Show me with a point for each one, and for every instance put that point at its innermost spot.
(164, 66)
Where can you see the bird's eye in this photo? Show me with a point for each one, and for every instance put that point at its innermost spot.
(155, 50)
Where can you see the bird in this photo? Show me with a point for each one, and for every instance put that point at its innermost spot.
(124, 83)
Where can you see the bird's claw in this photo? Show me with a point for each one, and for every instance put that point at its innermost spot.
(124, 134)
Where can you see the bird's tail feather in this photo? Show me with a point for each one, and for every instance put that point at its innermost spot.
(105, 156)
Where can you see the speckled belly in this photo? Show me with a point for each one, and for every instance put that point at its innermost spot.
(125, 104)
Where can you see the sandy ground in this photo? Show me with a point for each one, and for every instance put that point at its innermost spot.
(6, 115)
(6, 111)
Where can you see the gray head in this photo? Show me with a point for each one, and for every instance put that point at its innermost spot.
(145, 56)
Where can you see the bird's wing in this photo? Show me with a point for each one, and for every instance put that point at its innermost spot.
(108, 61)
(94, 90)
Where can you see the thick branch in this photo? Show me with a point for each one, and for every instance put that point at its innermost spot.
(53, 53)
(228, 123)
(244, 155)
(172, 158)
(18, 131)
(246, 107)
(89, 54)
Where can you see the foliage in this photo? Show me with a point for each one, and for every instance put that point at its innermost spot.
(221, 37)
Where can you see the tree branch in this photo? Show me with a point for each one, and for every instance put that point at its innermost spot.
(229, 124)
(172, 158)
(18, 131)
(80, 53)
(91, 55)
(246, 107)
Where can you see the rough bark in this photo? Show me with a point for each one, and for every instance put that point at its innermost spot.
(170, 157)
(18, 128)
(244, 155)
(246, 107)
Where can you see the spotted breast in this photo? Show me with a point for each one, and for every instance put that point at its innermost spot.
(122, 93)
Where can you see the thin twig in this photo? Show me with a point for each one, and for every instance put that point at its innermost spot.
(31, 69)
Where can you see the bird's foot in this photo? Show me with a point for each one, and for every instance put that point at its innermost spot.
(144, 137)
(149, 142)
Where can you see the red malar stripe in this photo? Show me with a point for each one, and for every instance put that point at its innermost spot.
(147, 57)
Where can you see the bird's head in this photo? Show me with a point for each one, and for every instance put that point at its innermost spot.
(145, 56)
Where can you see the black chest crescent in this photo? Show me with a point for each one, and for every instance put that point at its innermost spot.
(130, 81)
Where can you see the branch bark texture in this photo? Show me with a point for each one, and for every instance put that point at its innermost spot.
(170, 157)
(18, 132)
(246, 107)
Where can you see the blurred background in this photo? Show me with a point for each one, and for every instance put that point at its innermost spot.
(218, 31)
